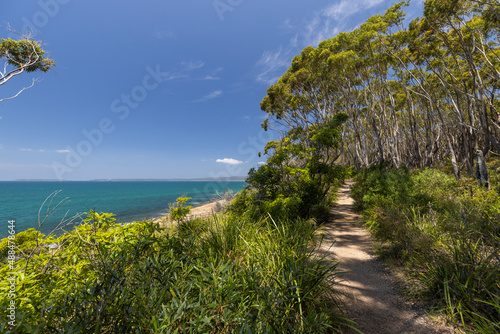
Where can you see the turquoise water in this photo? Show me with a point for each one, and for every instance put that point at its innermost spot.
(128, 200)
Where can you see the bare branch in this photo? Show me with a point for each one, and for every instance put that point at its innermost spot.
(22, 90)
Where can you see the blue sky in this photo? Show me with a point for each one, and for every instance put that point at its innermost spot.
(155, 89)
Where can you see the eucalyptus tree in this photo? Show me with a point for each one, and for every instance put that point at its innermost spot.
(346, 74)
(414, 96)
(20, 56)
(455, 54)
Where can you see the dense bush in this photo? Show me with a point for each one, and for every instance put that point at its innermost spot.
(299, 176)
(26, 242)
(377, 185)
(445, 232)
(218, 275)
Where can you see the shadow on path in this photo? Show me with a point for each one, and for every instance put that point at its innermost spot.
(372, 298)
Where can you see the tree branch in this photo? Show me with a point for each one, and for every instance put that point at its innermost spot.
(22, 90)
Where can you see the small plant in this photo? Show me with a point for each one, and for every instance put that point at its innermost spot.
(101, 220)
(178, 211)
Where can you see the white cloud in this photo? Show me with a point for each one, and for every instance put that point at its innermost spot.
(346, 8)
(164, 35)
(341, 10)
(184, 71)
(41, 150)
(229, 161)
(193, 65)
(210, 77)
(192, 70)
(213, 95)
(273, 64)
(261, 163)
(287, 25)
(322, 25)
(212, 74)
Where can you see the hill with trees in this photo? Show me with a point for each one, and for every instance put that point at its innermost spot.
(411, 113)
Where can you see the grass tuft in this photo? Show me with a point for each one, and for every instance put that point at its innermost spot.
(446, 235)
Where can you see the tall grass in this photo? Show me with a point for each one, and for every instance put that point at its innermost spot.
(217, 275)
(446, 233)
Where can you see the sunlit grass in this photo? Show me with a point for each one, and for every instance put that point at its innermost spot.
(216, 275)
(446, 233)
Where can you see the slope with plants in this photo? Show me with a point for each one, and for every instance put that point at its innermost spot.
(397, 98)
(415, 101)
(444, 233)
(218, 275)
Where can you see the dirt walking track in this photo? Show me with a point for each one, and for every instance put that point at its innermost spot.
(373, 299)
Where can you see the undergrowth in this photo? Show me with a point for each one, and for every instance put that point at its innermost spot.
(445, 233)
(217, 275)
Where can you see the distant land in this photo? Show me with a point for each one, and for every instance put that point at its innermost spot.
(38, 180)
(222, 179)
(232, 178)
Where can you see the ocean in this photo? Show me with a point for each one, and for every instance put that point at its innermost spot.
(128, 200)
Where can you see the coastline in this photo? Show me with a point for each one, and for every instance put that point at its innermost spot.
(201, 211)
(128, 201)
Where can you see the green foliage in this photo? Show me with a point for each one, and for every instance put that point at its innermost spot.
(178, 211)
(376, 185)
(102, 221)
(445, 232)
(494, 174)
(25, 52)
(218, 275)
(297, 178)
(26, 241)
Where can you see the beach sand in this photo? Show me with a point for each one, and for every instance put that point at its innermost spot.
(202, 211)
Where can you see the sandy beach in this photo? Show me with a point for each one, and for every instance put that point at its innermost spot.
(201, 211)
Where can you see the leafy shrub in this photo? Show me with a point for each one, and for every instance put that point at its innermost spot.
(376, 185)
(26, 242)
(178, 211)
(445, 232)
(299, 175)
(218, 275)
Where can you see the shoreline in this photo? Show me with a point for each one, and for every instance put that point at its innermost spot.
(204, 210)
(201, 211)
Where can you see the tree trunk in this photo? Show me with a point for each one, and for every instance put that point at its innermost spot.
(482, 170)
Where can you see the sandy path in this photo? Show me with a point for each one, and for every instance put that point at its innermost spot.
(373, 298)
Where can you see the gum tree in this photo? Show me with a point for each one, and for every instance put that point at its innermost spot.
(20, 56)
(417, 96)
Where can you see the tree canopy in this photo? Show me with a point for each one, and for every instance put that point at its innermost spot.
(415, 96)
(19, 56)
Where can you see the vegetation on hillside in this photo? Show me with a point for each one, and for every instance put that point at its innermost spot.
(396, 104)
(217, 275)
(414, 96)
(444, 232)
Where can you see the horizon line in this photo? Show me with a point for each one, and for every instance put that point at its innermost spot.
(231, 178)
